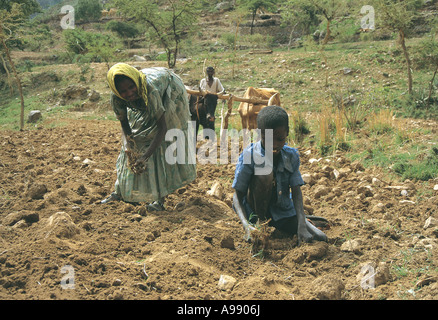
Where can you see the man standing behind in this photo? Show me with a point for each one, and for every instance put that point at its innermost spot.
(213, 86)
(211, 83)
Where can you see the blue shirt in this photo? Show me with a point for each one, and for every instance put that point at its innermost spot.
(287, 175)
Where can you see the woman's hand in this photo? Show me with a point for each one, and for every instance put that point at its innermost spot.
(140, 165)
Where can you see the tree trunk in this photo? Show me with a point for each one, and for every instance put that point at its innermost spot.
(408, 60)
(291, 35)
(328, 32)
(170, 58)
(173, 54)
(234, 44)
(20, 89)
(431, 87)
(11, 89)
(252, 22)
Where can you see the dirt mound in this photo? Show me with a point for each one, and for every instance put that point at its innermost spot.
(59, 242)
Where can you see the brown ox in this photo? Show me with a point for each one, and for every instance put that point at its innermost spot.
(112, 12)
(249, 111)
(109, 13)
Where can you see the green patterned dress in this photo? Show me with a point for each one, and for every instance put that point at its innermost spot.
(166, 94)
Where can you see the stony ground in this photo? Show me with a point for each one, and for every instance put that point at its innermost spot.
(382, 234)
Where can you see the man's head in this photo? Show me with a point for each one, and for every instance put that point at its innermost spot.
(210, 72)
(276, 119)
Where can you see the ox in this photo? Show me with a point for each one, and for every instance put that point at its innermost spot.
(249, 111)
(109, 13)
(202, 109)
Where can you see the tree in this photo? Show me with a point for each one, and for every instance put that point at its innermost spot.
(27, 7)
(330, 10)
(298, 16)
(254, 5)
(47, 3)
(9, 20)
(398, 15)
(88, 10)
(125, 30)
(428, 51)
(96, 46)
(167, 25)
(104, 48)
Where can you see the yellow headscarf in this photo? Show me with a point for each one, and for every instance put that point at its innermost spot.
(135, 75)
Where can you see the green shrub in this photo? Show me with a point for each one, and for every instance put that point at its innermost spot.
(423, 170)
(346, 30)
(228, 38)
(88, 10)
(259, 40)
(76, 40)
(123, 29)
(161, 56)
(417, 105)
(299, 127)
(90, 46)
(37, 36)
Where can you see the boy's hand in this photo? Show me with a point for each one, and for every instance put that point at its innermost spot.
(304, 235)
(249, 229)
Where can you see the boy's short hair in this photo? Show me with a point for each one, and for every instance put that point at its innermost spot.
(272, 117)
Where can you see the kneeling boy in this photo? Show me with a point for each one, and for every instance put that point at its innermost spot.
(266, 194)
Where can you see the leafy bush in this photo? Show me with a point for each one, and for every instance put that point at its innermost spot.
(161, 56)
(260, 40)
(76, 40)
(418, 104)
(96, 47)
(37, 36)
(299, 127)
(88, 10)
(346, 30)
(123, 29)
(228, 38)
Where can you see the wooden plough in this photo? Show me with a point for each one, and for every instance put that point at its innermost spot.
(230, 99)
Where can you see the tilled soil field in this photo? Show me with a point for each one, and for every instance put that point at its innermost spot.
(58, 242)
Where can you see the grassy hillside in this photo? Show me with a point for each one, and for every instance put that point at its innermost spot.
(347, 96)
